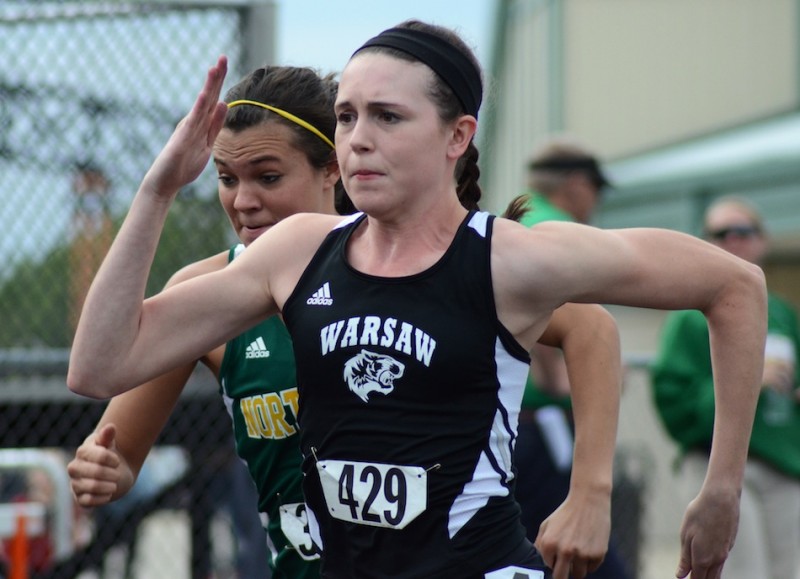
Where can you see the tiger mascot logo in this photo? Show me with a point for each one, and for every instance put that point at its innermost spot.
(369, 372)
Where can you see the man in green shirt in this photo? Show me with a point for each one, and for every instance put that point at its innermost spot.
(769, 520)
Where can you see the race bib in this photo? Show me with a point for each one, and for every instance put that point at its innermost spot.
(381, 495)
(294, 524)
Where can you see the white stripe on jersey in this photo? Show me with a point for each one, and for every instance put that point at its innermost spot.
(478, 222)
(486, 480)
(348, 220)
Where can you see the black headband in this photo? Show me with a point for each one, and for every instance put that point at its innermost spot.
(453, 66)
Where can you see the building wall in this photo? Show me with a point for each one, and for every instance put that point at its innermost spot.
(628, 76)
(642, 74)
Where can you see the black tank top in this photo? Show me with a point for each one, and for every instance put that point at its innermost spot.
(410, 391)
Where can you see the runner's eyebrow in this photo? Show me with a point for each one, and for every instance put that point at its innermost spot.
(256, 161)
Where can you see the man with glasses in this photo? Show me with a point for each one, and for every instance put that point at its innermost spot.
(768, 542)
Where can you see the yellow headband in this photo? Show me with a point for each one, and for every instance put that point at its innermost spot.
(285, 115)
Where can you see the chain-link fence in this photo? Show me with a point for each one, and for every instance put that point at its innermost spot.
(89, 93)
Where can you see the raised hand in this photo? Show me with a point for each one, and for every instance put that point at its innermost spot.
(187, 151)
(97, 473)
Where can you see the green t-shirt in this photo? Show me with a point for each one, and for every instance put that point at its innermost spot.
(683, 388)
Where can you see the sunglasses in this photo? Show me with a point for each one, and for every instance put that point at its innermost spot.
(738, 231)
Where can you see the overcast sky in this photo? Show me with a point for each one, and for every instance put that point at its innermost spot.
(324, 33)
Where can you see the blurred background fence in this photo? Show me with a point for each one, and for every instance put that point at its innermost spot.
(89, 93)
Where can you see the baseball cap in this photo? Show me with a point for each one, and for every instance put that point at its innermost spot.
(568, 162)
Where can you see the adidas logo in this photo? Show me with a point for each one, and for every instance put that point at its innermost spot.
(321, 297)
(256, 349)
